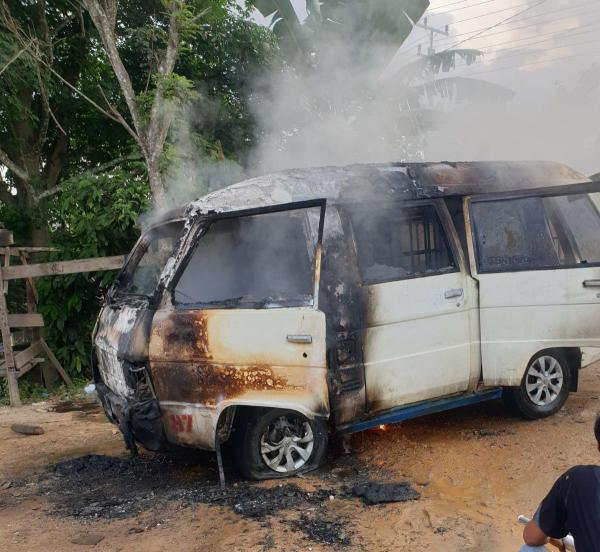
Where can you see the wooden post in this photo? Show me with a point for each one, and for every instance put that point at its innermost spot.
(55, 362)
(9, 357)
(32, 295)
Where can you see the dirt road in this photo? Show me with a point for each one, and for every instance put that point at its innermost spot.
(476, 469)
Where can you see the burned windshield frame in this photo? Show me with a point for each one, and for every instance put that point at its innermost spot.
(117, 292)
(204, 223)
(571, 190)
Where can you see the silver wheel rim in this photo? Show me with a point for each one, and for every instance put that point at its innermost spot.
(287, 444)
(544, 380)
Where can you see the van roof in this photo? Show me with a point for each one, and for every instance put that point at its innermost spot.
(386, 181)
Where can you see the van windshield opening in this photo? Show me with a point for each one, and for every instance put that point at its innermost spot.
(257, 261)
(148, 260)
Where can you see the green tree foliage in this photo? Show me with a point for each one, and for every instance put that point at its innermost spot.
(228, 66)
(366, 29)
(48, 132)
(84, 184)
(93, 216)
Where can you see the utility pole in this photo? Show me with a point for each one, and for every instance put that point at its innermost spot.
(432, 32)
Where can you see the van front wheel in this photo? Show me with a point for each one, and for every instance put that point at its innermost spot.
(545, 386)
(281, 443)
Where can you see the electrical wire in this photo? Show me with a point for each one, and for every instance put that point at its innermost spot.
(436, 14)
(533, 63)
(450, 4)
(533, 52)
(497, 24)
(553, 34)
(454, 36)
(529, 44)
(594, 5)
(490, 13)
(475, 35)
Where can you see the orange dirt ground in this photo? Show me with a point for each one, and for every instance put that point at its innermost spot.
(476, 468)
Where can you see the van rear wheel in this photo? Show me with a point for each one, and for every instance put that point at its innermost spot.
(281, 443)
(545, 386)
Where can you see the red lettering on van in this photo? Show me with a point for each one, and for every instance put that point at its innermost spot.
(181, 423)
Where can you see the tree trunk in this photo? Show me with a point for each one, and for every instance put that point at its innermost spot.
(156, 184)
(38, 232)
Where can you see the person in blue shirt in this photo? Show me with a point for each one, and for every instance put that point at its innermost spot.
(572, 506)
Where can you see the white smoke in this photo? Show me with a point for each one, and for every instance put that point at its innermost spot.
(344, 112)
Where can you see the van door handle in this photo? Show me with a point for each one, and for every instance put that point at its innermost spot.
(303, 339)
(591, 283)
(453, 293)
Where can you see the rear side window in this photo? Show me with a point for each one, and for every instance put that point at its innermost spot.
(536, 233)
(264, 260)
(395, 242)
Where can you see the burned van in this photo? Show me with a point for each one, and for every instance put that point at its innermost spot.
(281, 309)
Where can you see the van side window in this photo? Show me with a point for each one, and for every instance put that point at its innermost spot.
(536, 232)
(257, 261)
(397, 242)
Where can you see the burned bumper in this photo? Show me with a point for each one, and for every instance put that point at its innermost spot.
(139, 421)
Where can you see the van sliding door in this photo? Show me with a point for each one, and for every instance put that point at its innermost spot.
(421, 304)
(537, 259)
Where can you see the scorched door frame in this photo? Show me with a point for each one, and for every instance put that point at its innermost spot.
(205, 359)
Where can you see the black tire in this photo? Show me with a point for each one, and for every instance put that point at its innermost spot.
(266, 427)
(522, 401)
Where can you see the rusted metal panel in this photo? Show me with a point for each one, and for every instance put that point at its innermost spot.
(204, 361)
(209, 384)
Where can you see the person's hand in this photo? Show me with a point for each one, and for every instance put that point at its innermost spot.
(558, 543)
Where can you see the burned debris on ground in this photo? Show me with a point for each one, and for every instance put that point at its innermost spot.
(379, 493)
(322, 530)
(107, 488)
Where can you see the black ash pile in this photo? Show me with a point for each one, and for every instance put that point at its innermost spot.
(105, 487)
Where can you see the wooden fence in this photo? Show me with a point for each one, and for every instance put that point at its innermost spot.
(16, 364)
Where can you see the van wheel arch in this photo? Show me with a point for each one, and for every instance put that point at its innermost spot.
(563, 362)
(574, 357)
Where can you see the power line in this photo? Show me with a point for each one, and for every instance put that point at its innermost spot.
(533, 63)
(553, 34)
(410, 44)
(435, 14)
(533, 52)
(497, 24)
(596, 6)
(451, 4)
(585, 4)
(462, 34)
(490, 13)
(545, 50)
(528, 44)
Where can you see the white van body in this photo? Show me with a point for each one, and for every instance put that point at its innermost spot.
(360, 295)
